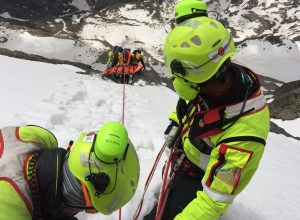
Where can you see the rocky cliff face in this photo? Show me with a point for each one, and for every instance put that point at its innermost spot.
(286, 104)
(256, 19)
(34, 10)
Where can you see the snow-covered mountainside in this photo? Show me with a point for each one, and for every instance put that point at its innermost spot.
(273, 20)
(88, 28)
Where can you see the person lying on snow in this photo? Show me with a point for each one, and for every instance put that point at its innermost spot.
(223, 121)
(38, 180)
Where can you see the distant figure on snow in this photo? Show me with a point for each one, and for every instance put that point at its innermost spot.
(125, 57)
(137, 58)
(186, 9)
(114, 56)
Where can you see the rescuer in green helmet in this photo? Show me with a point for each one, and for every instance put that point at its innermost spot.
(113, 56)
(38, 180)
(186, 9)
(221, 122)
(108, 167)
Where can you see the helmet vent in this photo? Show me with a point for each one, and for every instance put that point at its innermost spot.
(214, 25)
(216, 43)
(185, 45)
(196, 40)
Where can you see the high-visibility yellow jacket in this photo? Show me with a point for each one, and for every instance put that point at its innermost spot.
(17, 145)
(229, 154)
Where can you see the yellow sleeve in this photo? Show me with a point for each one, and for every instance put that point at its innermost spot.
(173, 116)
(229, 171)
(13, 202)
(39, 135)
(202, 208)
(110, 57)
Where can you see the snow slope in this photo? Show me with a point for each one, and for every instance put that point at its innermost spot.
(66, 103)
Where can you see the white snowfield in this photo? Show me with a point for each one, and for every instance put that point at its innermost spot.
(66, 103)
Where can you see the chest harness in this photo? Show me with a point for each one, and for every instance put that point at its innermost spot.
(197, 122)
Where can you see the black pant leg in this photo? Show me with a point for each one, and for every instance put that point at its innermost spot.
(182, 193)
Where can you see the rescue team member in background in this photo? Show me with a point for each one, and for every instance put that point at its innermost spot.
(113, 56)
(186, 9)
(137, 58)
(125, 57)
(41, 181)
(224, 119)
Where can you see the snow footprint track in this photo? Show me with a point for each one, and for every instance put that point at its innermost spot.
(90, 105)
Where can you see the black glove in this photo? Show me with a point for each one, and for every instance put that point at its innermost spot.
(170, 132)
(181, 109)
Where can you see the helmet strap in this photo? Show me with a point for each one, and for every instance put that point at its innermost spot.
(87, 198)
(100, 180)
(183, 18)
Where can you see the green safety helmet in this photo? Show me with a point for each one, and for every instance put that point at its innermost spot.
(197, 48)
(107, 165)
(186, 9)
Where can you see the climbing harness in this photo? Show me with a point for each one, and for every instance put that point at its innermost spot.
(172, 146)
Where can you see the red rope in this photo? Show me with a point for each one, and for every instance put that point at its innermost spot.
(123, 119)
(123, 110)
(163, 191)
(149, 178)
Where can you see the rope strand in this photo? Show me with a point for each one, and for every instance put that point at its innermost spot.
(123, 121)
(123, 103)
(149, 178)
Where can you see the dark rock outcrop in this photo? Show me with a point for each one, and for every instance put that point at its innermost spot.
(286, 104)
